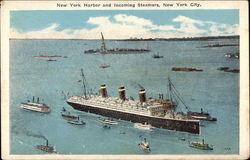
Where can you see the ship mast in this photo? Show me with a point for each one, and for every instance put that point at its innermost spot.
(103, 47)
(170, 90)
(84, 85)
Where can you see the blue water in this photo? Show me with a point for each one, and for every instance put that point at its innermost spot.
(215, 91)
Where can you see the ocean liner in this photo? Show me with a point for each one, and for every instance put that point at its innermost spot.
(104, 50)
(159, 113)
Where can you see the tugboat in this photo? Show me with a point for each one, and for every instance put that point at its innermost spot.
(106, 121)
(35, 106)
(77, 122)
(46, 148)
(200, 145)
(66, 115)
(144, 145)
(201, 116)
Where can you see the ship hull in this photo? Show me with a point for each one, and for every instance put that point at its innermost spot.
(170, 124)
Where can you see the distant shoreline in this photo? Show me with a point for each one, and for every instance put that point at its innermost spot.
(146, 39)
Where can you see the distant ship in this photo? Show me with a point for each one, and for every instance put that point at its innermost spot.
(36, 106)
(104, 66)
(231, 55)
(156, 112)
(200, 145)
(201, 116)
(104, 50)
(51, 60)
(186, 69)
(226, 69)
(157, 56)
(46, 148)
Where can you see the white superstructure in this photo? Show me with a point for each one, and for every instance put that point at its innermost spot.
(38, 107)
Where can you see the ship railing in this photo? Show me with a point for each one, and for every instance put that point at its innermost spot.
(134, 106)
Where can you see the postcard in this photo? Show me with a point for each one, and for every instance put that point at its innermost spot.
(124, 80)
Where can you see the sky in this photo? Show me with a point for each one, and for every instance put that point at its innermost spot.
(122, 24)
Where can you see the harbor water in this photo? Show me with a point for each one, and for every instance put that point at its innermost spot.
(217, 92)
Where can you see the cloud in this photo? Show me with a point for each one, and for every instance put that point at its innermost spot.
(122, 26)
(224, 29)
(186, 20)
(132, 20)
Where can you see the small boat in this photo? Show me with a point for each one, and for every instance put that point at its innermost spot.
(46, 148)
(226, 69)
(182, 139)
(106, 126)
(143, 126)
(63, 109)
(144, 145)
(232, 70)
(200, 145)
(201, 116)
(51, 60)
(104, 66)
(77, 122)
(157, 56)
(222, 68)
(231, 55)
(36, 106)
(106, 121)
(68, 116)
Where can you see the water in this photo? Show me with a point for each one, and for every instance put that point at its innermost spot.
(215, 91)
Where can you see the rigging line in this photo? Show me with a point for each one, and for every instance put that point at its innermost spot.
(181, 100)
(174, 88)
(86, 84)
(177, 91)
(83, 82)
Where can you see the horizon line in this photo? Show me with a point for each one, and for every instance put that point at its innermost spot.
(132, 39)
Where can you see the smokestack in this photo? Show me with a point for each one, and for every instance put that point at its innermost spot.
(33, 100)
(47, 143)
(37, 99)
(122, 93)
(142, 95)
(103, 91)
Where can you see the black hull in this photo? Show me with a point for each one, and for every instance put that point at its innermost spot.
(177, 125)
